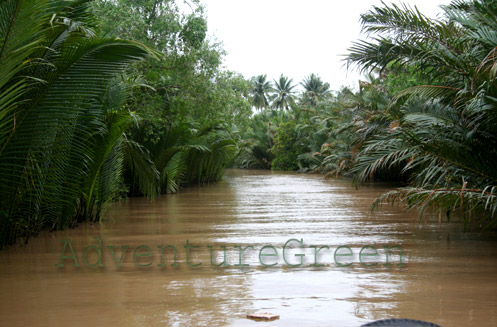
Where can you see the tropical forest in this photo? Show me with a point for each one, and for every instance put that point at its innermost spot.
(120, 126)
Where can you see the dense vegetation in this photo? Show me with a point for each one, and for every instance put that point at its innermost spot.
(426, 114)
(105, 99)
(86, 117)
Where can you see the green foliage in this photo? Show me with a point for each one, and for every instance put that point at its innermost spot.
(194, 32)
(187, 93)
(315, 90)
(60, 140)
(445, 135)
(260, 92)
(214, 150)
(284, 95)
(72, 138)
(398, 79)
(258, 141)
(424, 115)
(285, 149)
(187, 84)
(184, 155)
(86, 116)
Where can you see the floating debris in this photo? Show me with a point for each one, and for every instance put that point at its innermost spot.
(266, 316)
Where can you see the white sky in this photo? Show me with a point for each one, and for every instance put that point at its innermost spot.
(293, 37)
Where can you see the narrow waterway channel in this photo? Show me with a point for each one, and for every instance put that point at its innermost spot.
(415, 269)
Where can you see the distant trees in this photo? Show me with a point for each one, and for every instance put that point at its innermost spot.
(284, 95)
(281, 93)
(281, 135)
(261, 89)
(315, 90)
(424, 115)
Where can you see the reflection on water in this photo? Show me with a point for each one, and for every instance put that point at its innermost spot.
(449, 277)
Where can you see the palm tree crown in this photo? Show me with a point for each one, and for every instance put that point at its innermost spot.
(315, 90)
(284, 94)
(260, 91)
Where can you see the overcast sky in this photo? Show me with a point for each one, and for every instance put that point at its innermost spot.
(293, 37)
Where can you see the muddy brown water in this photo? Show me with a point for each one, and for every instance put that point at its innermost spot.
(447, 277)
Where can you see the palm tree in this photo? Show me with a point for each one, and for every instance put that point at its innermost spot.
(112, 151)
(260, 91)
(55, 75)
(256, 152)
(315, 90)
(207, 155)
(446, 138)
(284, 95)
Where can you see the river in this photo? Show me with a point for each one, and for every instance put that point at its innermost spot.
(408, 268)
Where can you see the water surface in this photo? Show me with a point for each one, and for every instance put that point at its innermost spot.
(448, 277)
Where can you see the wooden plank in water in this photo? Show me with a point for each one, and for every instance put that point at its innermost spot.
(265, 316)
